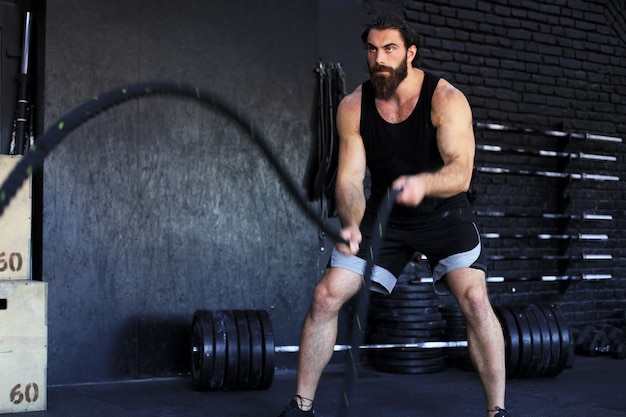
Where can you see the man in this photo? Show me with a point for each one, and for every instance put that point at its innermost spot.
(414, 132)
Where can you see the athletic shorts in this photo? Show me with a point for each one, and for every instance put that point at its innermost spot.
(449, 239)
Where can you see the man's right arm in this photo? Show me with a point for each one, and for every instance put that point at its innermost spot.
(349, 193)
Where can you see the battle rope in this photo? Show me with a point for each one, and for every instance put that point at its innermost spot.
(90, 109)
(362, 303)
(34, 158)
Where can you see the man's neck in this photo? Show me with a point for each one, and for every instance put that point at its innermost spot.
(402, 103)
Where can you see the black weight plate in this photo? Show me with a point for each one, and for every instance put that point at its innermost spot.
(401, 342)
(544, 330)
(564, 339)
(397, 303)
(455, 321)
(403, 369)
(439, 361)
(244, 349)
(459, 332)
(458, 327)
(268, 349)
(413, 288)
(399, 313)
(232, 351)
(455, 334)
(555, 339)
(408, 353)
(202, 350)
(525, 344)
(380, 333)
(219, 341)
(414, 325)
(411, 318)
(409, 295)
(451, 312)
(413, 370)
(256, 344)
(455, 324)
(511, 338)
(536, 343)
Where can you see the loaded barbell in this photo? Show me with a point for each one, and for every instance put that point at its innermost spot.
(234, 349)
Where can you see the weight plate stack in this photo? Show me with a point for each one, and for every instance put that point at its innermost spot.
(536, 340)
(232, 350)
(511, 339)
(409, 315)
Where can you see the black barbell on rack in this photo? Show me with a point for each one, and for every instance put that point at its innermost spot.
(234, 349)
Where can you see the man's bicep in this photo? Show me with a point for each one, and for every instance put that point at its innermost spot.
(455, 134)
(352, 156)
(351, 150)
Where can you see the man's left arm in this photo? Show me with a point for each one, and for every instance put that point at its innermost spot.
(452, 117)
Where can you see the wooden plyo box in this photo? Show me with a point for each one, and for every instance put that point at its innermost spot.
(15, 227)
(23, 346)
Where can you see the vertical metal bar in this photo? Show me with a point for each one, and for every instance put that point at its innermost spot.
(22, 98)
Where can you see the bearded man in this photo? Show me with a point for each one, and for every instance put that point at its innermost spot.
(413, 130)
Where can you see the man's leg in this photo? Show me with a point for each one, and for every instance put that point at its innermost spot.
(319, 332)
(484, 334)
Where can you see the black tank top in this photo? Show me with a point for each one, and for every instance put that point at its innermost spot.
(405, 148)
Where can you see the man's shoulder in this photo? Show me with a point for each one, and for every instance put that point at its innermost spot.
(443, 85)
(446, 91)
(349, 113)
(448, 100)
(352, 101)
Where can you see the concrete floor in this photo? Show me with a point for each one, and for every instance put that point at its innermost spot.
(593, 387)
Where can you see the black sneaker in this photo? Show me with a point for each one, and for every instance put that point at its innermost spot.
(501, 412)
(292, 410)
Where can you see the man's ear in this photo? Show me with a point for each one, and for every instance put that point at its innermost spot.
(411, 53)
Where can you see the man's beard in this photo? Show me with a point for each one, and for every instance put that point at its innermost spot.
(385, 85)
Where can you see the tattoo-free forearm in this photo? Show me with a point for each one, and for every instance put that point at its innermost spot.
(350, 203)
(451, 179)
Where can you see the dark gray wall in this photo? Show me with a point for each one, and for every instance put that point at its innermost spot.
(160, 206)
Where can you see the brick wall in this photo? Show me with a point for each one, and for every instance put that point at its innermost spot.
(554, 73)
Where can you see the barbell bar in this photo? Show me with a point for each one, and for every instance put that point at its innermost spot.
(554, 133)
(548, 174)
(546, 153)
(418, 345)
(583, 216)
(234, 349)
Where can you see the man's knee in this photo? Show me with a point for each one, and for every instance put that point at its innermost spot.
(333, 290)
(323, 300)
(471, 292)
